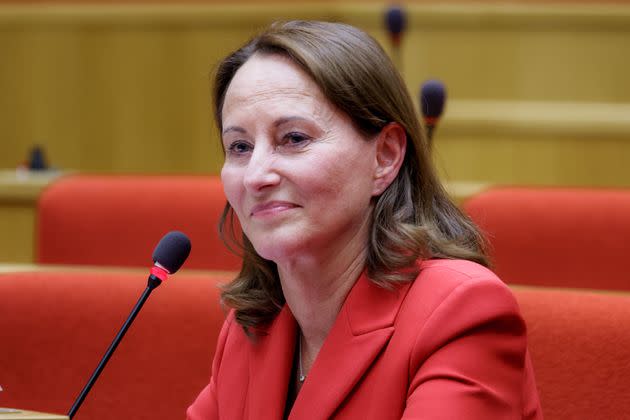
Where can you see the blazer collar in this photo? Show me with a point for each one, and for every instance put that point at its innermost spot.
(363, 327)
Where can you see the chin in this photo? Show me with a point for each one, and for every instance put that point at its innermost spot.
(278, 249)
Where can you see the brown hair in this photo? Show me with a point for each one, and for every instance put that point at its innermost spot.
(413, 218)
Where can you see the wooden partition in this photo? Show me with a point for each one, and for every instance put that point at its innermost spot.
(537, 94)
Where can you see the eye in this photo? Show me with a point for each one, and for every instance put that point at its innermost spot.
(296, 139)
(239, 147)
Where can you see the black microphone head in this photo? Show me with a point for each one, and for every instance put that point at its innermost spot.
(172, 251)
(395, 20)
(37, 159)
(432, 99)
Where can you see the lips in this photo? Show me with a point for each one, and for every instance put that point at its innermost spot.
(271, 207)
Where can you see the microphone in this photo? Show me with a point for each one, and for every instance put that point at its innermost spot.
(396, 22)
(37, 159)
(169, 255)
(432, 100)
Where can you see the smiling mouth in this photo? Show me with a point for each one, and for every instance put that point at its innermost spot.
(272, 208)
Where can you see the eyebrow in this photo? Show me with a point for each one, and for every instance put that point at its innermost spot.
(284, 120)
(277, 123)
(235, 129)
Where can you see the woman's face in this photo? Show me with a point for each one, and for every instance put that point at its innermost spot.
(297, 173)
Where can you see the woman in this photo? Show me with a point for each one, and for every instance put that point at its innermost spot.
(363, 292)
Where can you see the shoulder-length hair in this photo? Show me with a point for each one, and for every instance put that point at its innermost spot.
(412, 219)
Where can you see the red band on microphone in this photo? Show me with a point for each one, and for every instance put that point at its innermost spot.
(395, 39)
(159, 272)
(431, 120)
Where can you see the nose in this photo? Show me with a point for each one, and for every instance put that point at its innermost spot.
(261, 170)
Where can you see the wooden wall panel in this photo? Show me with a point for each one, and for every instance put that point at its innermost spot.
(319, 2)
(125, 88)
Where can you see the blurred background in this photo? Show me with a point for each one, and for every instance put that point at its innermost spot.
(538, 92)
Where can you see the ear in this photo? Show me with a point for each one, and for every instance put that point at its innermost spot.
(391, 144)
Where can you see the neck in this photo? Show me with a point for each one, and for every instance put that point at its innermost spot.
(316, 282)
(315, 297)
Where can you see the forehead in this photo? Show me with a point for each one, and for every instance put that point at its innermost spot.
(269, 77)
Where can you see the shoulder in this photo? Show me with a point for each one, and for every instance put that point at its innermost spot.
(463, 333)
(232, 339)
(232, 332)
(442, 280)
(454, 270)
(230, 357)
(451, 297)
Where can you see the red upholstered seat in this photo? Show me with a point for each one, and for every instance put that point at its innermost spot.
(55, 327)
(557, 236)
(580, 347)
(117, 220)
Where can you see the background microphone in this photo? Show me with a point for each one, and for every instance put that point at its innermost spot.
(169, 255)
(37, 159)
(396, 23)
(432, 100)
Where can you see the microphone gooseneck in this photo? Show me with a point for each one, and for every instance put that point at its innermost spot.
(432, 100)
(169, 255)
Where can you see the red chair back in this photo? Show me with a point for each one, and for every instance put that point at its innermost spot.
(117, 220)
(557, 236)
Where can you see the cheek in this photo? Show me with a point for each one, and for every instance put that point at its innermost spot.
(344, 175)
(231, 179)
(322, 177)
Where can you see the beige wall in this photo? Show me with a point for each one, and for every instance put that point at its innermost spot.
(274, 2)
(537, 94)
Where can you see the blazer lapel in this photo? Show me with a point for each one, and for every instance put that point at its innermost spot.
(270, 367)
(362, 328)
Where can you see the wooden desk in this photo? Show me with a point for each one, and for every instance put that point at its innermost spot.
(15, 414)
(461, 190)
(142, 272)
(19, 191)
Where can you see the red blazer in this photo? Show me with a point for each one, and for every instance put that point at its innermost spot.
(449, 345)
